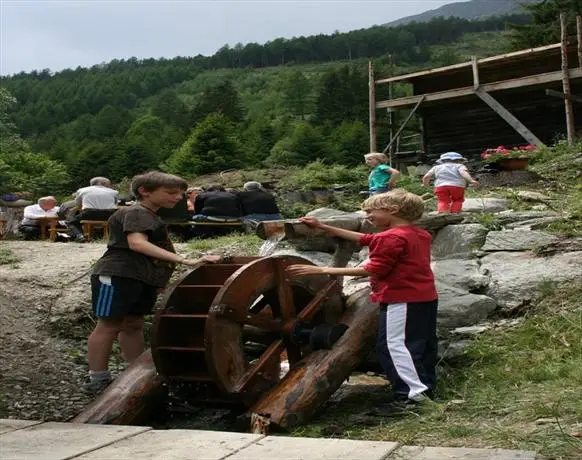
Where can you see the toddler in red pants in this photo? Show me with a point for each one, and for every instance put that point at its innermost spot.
(451, 177)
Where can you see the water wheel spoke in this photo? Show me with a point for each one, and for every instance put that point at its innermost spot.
(315, 306)
(271, 356)
(259, 321)
(260, 305)
(287, 307)
(284, 291)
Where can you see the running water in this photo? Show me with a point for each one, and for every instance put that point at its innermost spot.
(271, 244)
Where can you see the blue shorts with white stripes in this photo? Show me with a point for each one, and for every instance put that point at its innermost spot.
(115, 296)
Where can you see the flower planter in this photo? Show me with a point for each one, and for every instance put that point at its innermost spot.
(513, 164)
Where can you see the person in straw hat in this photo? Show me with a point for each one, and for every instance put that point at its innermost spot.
(451, 177)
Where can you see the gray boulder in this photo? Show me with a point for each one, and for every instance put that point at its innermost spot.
(318, 258)
(508, 217)
(515, 277)
(458, 307)
(485, 205)
(453, 350)
(458, 241)
(460, 273)
(517, 240)
(434, 221)
(528, 195)
(534, 224)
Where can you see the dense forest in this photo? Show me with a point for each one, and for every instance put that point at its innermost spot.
(287, 102)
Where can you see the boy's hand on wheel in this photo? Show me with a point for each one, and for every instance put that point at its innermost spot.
(211, 259)
(302, 270)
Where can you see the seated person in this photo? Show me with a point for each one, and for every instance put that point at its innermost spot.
(216, 204)
(69, 209)
(191, 194)
(257, 204)
(97, 202)
(30, 226)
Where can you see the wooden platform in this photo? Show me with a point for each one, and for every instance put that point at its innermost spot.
(28, 440)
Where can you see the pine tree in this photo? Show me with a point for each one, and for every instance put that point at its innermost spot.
(222, 98)
(298, 94)
(304, 145)
(348, 142)
(545, 26)
(211, 147)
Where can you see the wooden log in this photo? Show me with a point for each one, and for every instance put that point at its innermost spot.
(307, 387)
(130, 399)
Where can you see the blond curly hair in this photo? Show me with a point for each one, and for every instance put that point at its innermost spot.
(411, 205)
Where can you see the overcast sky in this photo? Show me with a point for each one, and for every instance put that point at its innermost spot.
(59, 34)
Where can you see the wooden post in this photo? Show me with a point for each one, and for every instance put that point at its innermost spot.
(508, 117)
(372, 106)
(570, 127)
(579, 38)
(391, 111)
(475, 72)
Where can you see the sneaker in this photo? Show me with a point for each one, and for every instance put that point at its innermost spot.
(402, 406)
(95, 387)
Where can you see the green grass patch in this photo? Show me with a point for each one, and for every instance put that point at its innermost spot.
(517, 388)
(7, 257)
(235, 244)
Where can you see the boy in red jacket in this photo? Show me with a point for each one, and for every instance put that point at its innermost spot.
(402, 283)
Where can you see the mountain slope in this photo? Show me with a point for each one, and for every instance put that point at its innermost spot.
(473, 9)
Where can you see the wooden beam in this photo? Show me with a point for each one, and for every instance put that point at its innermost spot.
(579, 39)
(372, 106)
(467, 65)
(397, 135)
(570, 126)
(551, 92)
(539, 79)
(475, 66)
(508, 117)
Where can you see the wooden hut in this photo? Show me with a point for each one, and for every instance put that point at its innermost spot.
(509, 100)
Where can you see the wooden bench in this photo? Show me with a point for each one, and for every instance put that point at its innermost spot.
(90, 225)
(54, 229)
(192, 223)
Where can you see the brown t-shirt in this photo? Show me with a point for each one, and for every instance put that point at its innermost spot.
(120, 260)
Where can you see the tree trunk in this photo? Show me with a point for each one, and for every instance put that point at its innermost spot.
(307, 387)
(130, 399)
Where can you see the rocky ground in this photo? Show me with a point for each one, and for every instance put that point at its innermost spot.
(45, 316)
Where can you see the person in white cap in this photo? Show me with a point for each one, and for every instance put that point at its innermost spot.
(451, 178)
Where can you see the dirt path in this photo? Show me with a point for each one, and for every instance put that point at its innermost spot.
(39, 372)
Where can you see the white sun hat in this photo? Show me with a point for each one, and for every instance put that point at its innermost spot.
(451, 156)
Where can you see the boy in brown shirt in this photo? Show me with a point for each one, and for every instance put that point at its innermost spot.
(138, 263)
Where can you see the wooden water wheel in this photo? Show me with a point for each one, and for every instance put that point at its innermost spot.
(230, 325)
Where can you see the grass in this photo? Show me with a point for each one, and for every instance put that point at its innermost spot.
(7, 257)
(234, 244)
(516, 389)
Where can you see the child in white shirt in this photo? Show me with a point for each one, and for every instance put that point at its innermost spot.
(451, 177)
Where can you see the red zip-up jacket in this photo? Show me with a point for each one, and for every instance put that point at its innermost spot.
(400, 263)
